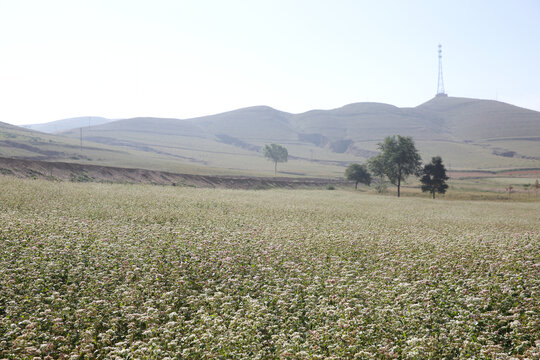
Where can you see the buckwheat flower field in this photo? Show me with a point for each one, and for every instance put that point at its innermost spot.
(96, 271)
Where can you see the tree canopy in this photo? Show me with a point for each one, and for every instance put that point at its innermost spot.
(434, 177)
(359, 174)
(397, 160)
(275, 153)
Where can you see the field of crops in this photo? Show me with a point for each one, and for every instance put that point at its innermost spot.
(96, 271)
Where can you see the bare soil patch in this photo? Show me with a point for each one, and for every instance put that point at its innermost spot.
(62, 171)
(522, 173)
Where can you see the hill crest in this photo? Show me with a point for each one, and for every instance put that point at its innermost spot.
(468, 133)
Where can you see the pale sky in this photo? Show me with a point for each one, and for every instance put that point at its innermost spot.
(182, 59)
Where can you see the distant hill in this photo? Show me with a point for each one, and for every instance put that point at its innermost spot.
(369, 121)
(67, 124)
(253, 124)
(471, 119)
(441, 118)
(21, 143)
(469, 134)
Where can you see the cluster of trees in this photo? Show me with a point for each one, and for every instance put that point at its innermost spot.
(397, 160)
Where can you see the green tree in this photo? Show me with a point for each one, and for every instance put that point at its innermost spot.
(275, 153)
(397, 160)
(359, 174)
(434, 177)
(377, 168)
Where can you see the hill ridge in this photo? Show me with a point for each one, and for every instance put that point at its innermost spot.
(468, 133)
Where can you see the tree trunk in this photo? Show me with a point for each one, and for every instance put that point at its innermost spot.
(433, 193)
(275, 168)
(399, 182)
(356, 186)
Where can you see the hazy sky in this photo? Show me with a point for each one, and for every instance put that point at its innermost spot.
(182, 59)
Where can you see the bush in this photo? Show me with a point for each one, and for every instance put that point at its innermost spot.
(381, 186)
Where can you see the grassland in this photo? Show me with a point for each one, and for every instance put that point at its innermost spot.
(469, 134)
(149, 272)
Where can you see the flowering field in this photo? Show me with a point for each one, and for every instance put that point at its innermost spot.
(146, 272)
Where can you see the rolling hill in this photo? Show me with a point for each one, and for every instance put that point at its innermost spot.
(470, 119)
(468, 133)
(67, 124)
(22, 143)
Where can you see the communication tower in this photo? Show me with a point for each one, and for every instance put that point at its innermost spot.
(440, 82)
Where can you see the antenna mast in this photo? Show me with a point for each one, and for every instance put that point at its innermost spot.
(440, 82)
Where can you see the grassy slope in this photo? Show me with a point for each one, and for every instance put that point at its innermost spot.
(24, 143)
(198, 140)
(460, 130)
(467, 133)
(472, 119)
(67, 124)
(160, 150)
(368, 121)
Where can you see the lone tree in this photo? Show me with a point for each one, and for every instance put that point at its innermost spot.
(276, 153)
(434, 177)
(359, 174)
(398, 159)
